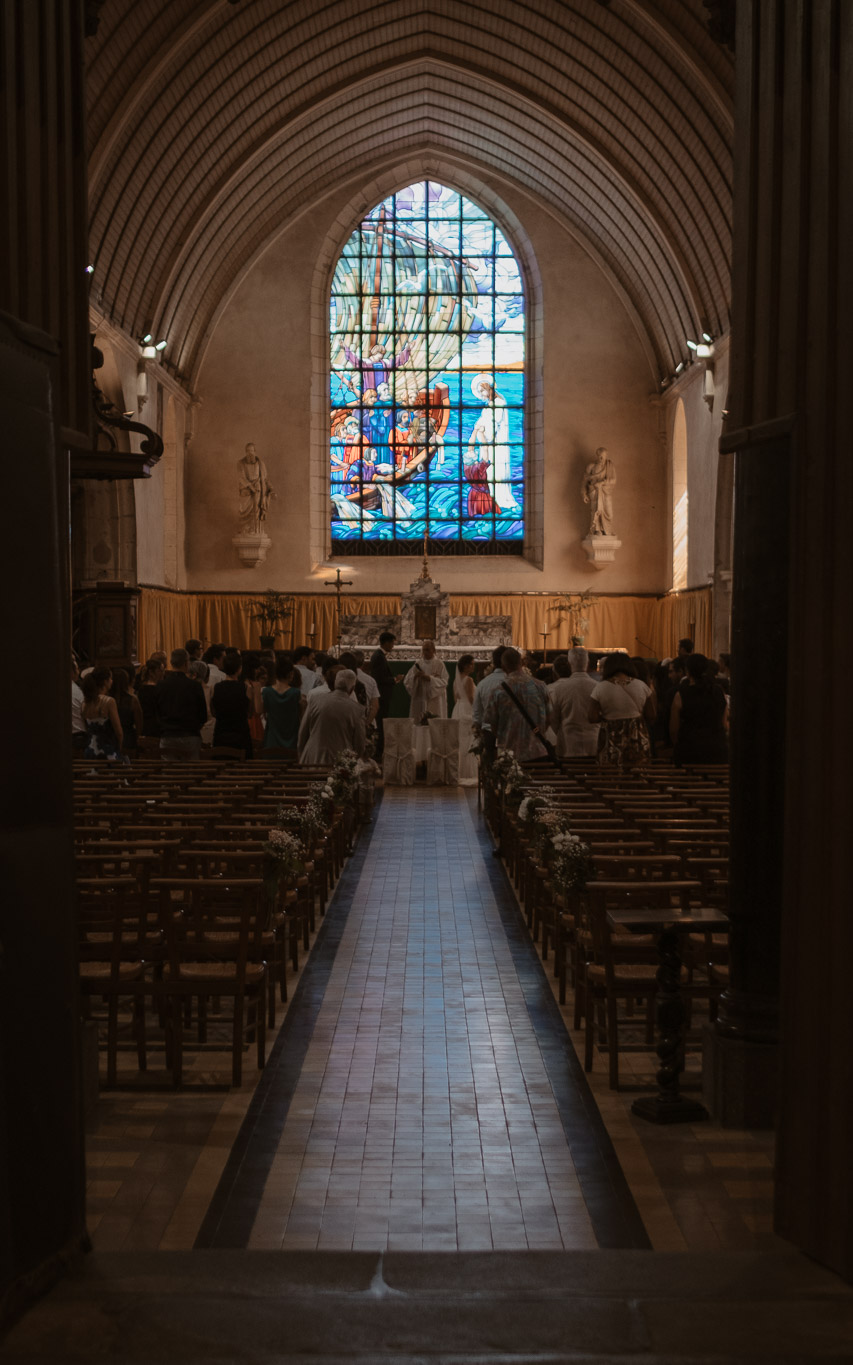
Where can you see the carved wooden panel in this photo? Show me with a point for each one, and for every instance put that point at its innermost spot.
(425, 621)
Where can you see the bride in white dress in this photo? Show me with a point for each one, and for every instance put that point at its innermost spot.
(463, 700)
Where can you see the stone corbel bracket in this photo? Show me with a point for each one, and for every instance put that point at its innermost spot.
(601, 550)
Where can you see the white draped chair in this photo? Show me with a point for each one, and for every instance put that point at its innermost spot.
(398, 760)
(443, 756)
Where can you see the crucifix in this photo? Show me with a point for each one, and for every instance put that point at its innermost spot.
(338, 584)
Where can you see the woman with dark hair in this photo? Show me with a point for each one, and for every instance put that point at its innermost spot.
(260, 674)
(463, 711)
(150, 674)
(283, 705)
(229, 705)
(100, 713)
(129, 710)
(623, 705)
(697, 718)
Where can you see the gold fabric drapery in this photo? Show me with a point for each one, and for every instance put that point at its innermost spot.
(642, 625)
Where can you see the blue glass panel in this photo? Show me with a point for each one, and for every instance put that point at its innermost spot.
(427, 322)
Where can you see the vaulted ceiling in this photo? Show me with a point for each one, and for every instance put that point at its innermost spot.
(212, 123)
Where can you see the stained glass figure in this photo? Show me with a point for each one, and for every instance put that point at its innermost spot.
(427, 337)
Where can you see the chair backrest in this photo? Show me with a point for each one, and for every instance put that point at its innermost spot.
(111, 907)
(192, 912)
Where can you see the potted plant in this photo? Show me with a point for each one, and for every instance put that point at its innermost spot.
(577, 605)
(271, 611)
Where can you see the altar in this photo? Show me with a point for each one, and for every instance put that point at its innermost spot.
(425, 615)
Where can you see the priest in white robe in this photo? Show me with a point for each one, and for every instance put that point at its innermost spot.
(426, 683)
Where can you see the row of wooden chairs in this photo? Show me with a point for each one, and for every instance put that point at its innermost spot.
(657, 840)
(173, 909)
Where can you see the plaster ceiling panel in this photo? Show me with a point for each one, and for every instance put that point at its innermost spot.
(617, 117)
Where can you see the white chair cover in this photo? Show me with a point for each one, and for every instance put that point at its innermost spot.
(443, 757)
(398, 761)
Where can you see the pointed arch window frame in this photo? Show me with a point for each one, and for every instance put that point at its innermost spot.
(532, 470)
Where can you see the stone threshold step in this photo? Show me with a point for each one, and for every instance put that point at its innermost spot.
(587, 1308)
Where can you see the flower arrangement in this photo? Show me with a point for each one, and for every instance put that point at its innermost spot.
(284, 858)
(570, 860)
(507, 776)
(307, 821)
(341, 785)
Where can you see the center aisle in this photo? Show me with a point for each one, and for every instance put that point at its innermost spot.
(439, 1105)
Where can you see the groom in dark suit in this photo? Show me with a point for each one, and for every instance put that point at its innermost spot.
(385, 681)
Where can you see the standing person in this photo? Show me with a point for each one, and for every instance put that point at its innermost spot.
(79, 733)
(229, 706)
(576, 734)
(213, 657)
(503, 717)
(150, 674)
(193, 648)
(262, 676)
(181, 710)
(283, 704)
(426, 683)
(370, 686)
(309, 675)
(697, 718)
(685, 649)
(199, 670)
(385, 681)
(623, 704)
(463, 711)
(334, 721)
(100, 714)
(484, 690)
(129, 710)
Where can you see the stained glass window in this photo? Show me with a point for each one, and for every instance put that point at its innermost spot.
(427, 334)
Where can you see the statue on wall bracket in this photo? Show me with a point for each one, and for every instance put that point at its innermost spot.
(255, 490)
(597, 486)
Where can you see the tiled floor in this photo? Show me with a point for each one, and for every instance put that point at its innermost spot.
(423, 1093)
(424, 1117)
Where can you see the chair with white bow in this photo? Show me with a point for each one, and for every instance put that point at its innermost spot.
(443, 756)
(398, 759)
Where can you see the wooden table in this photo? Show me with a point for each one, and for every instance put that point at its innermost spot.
(669, 1105)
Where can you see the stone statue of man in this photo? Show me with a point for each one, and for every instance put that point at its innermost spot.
(597, 491)
(255, 491)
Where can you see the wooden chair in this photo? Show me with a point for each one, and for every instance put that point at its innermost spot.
(623, 966)
(112, 940)
(205, 960)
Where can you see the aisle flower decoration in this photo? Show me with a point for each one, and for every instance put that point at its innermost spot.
(570, 860)
(284, 859)
(507, 777)
(341, 785)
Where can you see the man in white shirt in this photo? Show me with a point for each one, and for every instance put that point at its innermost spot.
(213, 658)
(79, 733)
(576, 735)
(309, 675)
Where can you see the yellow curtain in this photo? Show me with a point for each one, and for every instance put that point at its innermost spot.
(167, 619)
(649, 626)
(642, 625)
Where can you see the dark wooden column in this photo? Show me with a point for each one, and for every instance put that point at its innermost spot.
(792, 361)
(44, 385)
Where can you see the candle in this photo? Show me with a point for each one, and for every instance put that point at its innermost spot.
(311, 631)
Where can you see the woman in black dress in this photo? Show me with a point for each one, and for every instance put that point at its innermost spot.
(697, 718)
(229, 705)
